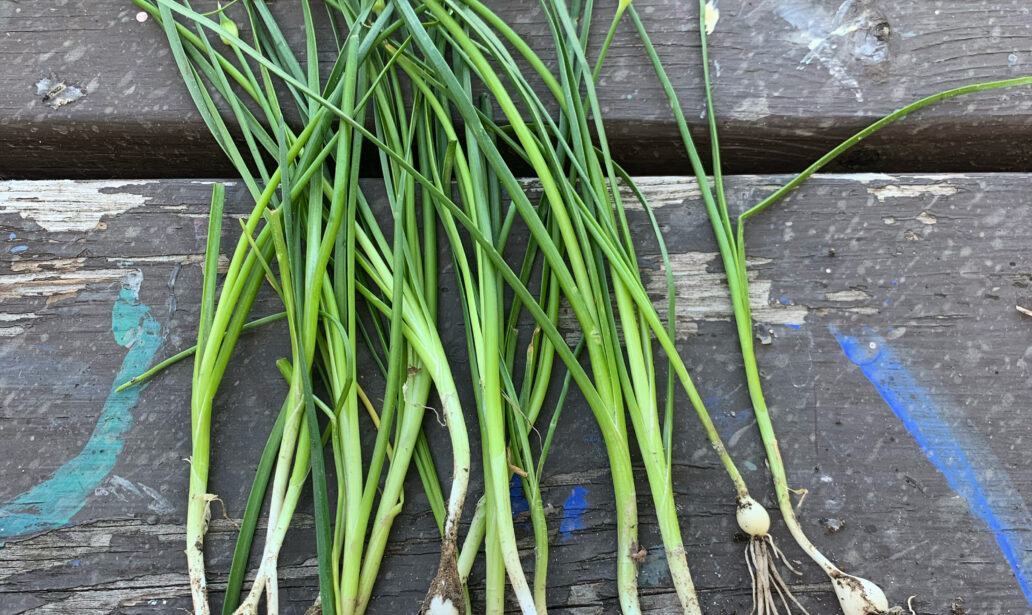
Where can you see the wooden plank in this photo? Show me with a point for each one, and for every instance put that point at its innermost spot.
(792, 78)
(888, 301)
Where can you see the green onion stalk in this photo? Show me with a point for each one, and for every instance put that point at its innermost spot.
(581, 234)
(221, 323)
(482, 310)
(304, 305)
(578, 287)
(412, 284)
(639, 387)
(351, 581)
(637, 370)
(482, 197)
(857, 596)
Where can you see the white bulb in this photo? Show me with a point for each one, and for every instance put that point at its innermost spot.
(441, 606)
(859, 596)
(752, 517)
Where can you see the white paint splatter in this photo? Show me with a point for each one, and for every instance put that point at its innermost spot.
(160, 505)
(819, 32)
(57, 94)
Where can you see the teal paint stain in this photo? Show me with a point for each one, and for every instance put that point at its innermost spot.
(52, 503)
(654, 572)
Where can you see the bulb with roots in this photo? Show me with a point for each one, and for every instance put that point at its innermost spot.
(761, 556)
(856, 596)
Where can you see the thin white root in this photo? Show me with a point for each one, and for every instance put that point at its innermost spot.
(761, 557)
(802, 493)
(316, 608)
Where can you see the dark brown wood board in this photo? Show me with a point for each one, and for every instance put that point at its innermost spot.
(897, 372)
(791, 77)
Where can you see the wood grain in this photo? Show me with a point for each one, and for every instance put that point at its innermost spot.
(792, 78)
(932, 266)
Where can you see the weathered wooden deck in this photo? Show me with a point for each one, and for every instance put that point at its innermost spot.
(897, 365)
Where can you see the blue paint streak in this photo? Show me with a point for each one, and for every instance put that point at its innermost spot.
(17, 249)
(726, 422)
(969, 466)
(796, 327)
(52, 503)
(517, 501)
(573, 512)
(11, 236)
(784, 301)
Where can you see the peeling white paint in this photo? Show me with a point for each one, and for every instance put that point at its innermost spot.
(752, 109)
(863, 178)
(17, 317)
(702, 295)
(926, 218)
(48, 283)
(847, 295)
(910, 191)
(68, 206)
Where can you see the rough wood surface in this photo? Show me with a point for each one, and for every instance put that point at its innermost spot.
(897, 371)
(791, 78)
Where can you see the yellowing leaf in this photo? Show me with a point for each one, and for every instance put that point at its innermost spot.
(712, 15)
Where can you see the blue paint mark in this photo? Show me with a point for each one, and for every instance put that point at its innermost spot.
(516, 499)
(11, 236)
(573, 512)
(52, 503)
(518, 502)
(968, 464)
(886, 302)
(75, 562)
(895, 282)
(594, 438)
(784, 301)
(726, 419)
(796, 327)
(19, 249)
